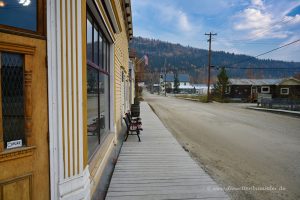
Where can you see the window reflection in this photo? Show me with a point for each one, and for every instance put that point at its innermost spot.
(100, 51)
(104, 104)
(96, 48)
(104, 54)
(19, 13)
(89, 39)
(92, 110)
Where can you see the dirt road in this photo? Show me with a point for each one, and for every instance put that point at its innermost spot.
(236, 146)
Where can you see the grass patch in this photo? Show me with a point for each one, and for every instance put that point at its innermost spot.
(201, 98)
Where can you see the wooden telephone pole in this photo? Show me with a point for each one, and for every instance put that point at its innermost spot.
(209, 63)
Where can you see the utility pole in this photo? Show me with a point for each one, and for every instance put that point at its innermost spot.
(209, 63)
(165, 76)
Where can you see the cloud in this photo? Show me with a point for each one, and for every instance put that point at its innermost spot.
(261, 23)
(258, 3)
(184, 23)
(253, 19)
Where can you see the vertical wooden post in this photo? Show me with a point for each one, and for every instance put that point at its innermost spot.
(28, 99)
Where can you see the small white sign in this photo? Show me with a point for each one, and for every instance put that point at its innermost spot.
(141, 84)
(14, 144)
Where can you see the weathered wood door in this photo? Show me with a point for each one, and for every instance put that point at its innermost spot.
(24, 158)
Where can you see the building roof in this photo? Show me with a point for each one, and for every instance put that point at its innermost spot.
(255, 81)
(181, 78)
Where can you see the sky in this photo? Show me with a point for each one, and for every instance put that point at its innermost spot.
(248, 27)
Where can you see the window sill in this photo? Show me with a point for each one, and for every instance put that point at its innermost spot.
(98, 157)
(12, 154)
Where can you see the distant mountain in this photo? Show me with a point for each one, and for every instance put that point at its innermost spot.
(193, 61)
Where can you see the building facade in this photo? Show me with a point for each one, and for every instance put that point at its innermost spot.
(250, 89)
(65, 87)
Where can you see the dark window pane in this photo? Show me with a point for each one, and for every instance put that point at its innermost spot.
(96, 47)
(104, 54)
(107, 57)
(92, 110)
(100, 51)
(20, 14)
(12, 85)
(89, 39)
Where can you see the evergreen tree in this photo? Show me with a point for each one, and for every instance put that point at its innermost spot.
(222, 83)
(176, 83)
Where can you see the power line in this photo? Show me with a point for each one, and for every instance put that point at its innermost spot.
(270, 68)
(275, 49)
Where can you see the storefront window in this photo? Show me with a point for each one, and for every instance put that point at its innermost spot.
(97, 86)
(19, 13)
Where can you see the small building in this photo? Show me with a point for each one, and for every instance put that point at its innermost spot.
(248, 89)
(168, 81)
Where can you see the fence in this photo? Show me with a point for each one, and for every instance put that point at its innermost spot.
(287, 104)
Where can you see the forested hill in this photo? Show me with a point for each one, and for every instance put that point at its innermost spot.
(192, 60)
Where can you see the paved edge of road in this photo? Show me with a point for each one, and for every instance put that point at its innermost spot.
(159, 168)
(278, 111)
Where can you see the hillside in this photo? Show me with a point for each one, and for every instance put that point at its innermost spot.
(192, 60)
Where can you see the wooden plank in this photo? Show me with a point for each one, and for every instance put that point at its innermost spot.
(159, 168)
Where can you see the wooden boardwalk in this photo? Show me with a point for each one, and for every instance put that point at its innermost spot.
(158, 167)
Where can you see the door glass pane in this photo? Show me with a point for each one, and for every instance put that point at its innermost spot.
(12, 84)
(19, 13)
(89, 40)
(92, 110)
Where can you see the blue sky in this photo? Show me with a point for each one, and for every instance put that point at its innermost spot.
(243, 26)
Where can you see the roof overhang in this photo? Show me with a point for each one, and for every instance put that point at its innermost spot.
(128, 18)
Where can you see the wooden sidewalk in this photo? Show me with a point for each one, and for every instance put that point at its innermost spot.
(158, 167)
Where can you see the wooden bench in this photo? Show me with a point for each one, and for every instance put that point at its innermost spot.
(134, 126)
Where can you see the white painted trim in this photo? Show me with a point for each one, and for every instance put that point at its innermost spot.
(69, 95)
(282, 93)
(52, 98)
(76, 187)
(58, 91)
(63, 85)
(265, 92)
(74, 83)
(80, 92)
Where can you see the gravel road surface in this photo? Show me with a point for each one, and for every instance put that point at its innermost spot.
(238, 147)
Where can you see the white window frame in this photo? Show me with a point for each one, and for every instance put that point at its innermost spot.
(228, 89)
(287, 93)
(265, 92)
